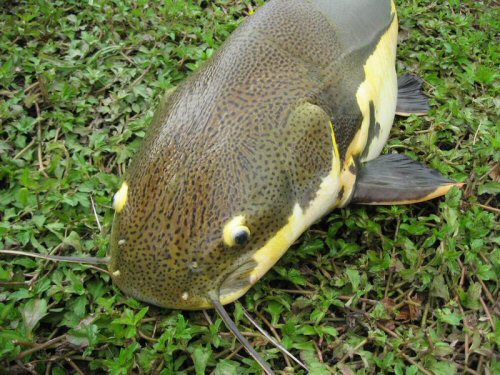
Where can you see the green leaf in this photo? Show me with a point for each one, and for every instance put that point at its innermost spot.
(275, 309)
(227, 367)
(23, 196)
(201, 356)
(138, 317)
(379, 312)
(443, 368)
(447, 316)
(485, 75)
(439, 288)
(412, 370)
(354, 278)
(32, 312)
(470, 299)
(492, 188)
(39, 220)
(4, 274)
(8, 348)
(83, 336)
(73, 240)
(315, 366)
(331, 331)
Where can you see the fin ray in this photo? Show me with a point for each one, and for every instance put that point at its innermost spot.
(411, 99)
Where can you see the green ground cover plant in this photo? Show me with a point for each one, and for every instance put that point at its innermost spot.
(404, 290)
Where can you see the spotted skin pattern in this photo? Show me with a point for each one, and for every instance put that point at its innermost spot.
(249, 134)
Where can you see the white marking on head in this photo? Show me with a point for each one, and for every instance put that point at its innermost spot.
(120, 198)
(121, 242)
(116, 273)
(185, 296)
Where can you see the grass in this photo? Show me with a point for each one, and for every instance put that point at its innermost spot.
(404, 290)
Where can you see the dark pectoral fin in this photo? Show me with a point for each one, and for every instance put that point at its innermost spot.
(397, 179)
(411, 99)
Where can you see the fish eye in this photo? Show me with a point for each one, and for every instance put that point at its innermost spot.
(235, 232)
(241, 235)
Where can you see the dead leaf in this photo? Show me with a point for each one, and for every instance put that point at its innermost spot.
(404, 313)
(345, 370)
(390, 325)
(412, 310)
(415, 308)
(388, 303)
(495, 172)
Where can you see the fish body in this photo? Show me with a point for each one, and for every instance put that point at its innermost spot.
(261, 142)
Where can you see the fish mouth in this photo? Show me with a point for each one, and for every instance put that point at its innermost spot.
(237, 283)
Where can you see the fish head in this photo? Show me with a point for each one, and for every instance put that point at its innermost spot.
(191, 215)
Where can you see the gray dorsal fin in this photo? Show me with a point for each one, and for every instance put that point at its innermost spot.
(411, 99)
(397, 179)
(357, 23)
